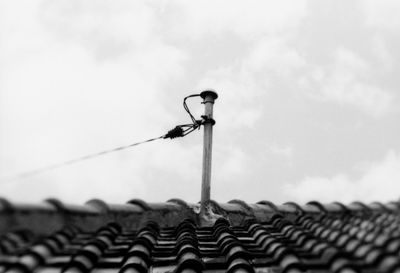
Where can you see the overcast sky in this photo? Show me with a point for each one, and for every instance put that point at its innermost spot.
(308, 105)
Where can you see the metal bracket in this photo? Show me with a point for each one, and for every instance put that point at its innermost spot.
(206, 119)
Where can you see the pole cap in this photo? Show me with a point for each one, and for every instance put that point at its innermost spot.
(211, 93)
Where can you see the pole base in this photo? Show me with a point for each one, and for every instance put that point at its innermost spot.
(211, 93)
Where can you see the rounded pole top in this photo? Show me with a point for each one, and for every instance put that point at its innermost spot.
(211, 93)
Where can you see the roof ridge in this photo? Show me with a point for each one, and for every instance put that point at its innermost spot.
(136, 212)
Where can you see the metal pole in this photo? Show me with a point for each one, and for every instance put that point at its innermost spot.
(208, 99)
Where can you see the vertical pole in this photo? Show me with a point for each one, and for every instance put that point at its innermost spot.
(208, 99)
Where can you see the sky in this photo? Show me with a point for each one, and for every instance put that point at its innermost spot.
(308, 105)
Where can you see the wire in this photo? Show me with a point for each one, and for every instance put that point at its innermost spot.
(74, 161)
(187, 108)
(178, 131)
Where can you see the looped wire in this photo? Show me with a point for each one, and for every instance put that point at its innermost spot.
(187, 108)
(185, 129)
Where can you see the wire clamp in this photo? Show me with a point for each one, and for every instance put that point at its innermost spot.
(185, 129)
(207, 119)
(174, 133)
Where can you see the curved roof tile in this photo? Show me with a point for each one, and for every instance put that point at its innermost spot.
(171, 237)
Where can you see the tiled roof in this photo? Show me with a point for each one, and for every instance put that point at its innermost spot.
(140, 237)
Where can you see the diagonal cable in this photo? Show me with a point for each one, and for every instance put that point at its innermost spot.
(74, 161)
(178, 131)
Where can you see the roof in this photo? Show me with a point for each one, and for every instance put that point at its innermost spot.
(235, 237)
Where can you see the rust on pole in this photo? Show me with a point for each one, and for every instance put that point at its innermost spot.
(209, 97)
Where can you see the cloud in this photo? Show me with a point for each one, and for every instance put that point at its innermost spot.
(67, 92)
(77, 77)
(273, 56)
(247, 19)
(107, 30)
(379, 182)
(247, 82)
(382, 14)
(58, 112)
(239, 108)
(285, 151)
(346, 82)
(386, 60)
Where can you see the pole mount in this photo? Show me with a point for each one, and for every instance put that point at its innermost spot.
(209, 97)
(211, 93)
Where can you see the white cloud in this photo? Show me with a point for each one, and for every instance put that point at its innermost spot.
(245, 84)
(382, 13)
(247, 19)
(66, 93)
(386, 61)
(230, 169)
(81, 76)
(56, 112)
(273, 56)
(370, 99)
(285, 151)
(238, 91)
(106, 29)
(232, 162)
(380, 182)
(346, 82)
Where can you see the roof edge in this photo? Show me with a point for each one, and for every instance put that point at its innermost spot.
(135, 213)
